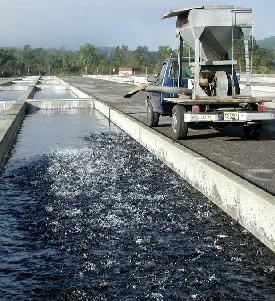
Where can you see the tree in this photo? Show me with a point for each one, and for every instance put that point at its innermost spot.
(165, 52)
(25, 59)
(22, 61)
(123, 57)
(142, 57)
(7, 62)
(117, 58)
(50, 62)
(88, 57)
(261, 60)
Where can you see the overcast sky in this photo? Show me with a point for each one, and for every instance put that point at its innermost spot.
(71, 23)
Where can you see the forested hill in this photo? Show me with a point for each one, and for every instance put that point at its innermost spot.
(268, 43)
(89, 59)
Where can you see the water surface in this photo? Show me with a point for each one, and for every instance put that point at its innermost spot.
(54, 94)
(10, 94)
(86, 213)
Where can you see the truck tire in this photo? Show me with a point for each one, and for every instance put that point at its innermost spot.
(179, 127)
(252, 131)
(152, 116)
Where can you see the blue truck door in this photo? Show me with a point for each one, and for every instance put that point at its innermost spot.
(156, 98)
(167, 77)
(170, 79)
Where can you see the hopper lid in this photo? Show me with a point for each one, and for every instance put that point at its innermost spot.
(179, 12)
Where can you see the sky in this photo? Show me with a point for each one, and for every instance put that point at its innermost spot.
(72, 23)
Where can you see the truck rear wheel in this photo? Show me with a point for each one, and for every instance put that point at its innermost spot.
(179, 127)
(152, 116)
(252, 131)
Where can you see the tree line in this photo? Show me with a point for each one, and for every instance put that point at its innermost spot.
(86, 60)
(91, 60)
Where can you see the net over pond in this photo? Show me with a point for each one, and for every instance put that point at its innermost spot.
(86, 213)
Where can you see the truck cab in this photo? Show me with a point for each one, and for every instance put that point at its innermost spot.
(168, 76)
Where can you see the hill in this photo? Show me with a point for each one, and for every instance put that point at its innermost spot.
(267, 43)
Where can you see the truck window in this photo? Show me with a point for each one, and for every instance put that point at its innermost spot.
(174, 71)
(186, 71)
(162, 72)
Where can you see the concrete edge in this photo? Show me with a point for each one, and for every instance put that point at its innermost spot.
(57, 104)
(252, 207)
(11, 120)
(83, 102)
(6, 82)
(9, 126)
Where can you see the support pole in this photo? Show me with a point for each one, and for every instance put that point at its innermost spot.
(247, 59)
(180, 57)
(232, 56)
(197, 69)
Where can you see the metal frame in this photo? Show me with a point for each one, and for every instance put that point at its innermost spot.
(196, 25)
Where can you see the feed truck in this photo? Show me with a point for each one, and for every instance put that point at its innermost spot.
(204, 87)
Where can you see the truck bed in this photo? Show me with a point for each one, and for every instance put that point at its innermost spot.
(185, 100)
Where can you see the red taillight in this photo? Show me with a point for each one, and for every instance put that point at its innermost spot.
(261, 107)
(196, 109)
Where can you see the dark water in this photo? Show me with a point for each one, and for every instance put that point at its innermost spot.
(87, 214)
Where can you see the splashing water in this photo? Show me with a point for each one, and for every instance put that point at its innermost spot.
(108, 221)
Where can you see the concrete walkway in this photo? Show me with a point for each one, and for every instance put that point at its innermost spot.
(252, 160)
(4, 81)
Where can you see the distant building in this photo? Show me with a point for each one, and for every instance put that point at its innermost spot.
(128, 71)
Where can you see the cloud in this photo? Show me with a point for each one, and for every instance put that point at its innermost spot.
(70, 23)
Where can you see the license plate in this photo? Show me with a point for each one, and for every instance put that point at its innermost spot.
(231, 116)
(205, 117)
